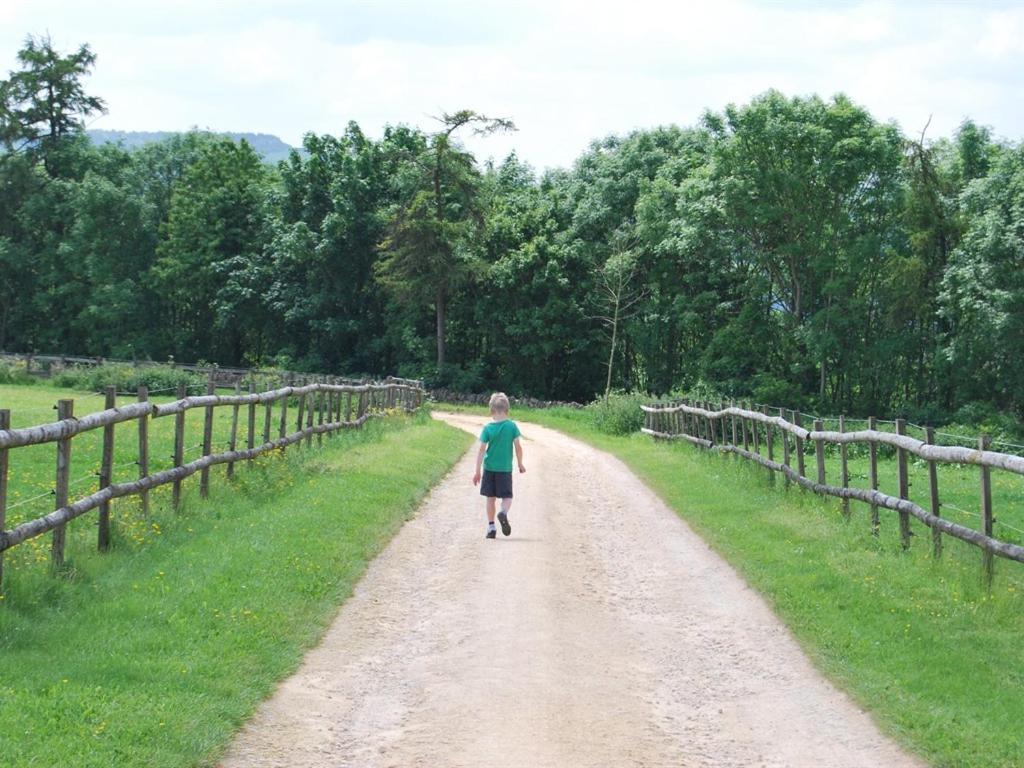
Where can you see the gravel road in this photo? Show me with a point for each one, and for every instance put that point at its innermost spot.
(602, 633)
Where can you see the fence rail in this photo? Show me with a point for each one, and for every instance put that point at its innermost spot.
(743, 432)
(323, 408)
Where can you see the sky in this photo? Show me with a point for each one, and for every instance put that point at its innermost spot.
(567, 72)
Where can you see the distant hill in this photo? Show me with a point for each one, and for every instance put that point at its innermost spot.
(270, 148)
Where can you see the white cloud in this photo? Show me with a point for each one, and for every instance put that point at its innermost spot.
(566, 71)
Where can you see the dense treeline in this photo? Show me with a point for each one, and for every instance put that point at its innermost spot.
(795, 250)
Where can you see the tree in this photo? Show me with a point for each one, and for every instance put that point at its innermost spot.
(329, 310)
(431, 241)
(810, 191)
(982, 295)
(45, 101)
(618, 297)
(213, 233)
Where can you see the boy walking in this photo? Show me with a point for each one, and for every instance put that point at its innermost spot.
(496, 443)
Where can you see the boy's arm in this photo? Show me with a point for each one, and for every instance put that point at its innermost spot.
(519, 455)
(479, 461)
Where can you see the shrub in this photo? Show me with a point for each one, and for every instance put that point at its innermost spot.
(460, 379)
(775, 391)
(705, 391)
(127, 378)
(621, 415)
(14, 373)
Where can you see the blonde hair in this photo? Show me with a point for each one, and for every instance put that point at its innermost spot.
(499, 403)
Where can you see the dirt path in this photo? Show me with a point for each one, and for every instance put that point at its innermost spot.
(603, 632)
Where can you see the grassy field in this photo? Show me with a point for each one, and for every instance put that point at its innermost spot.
(32, 468)
(936, 658)
(154, 654)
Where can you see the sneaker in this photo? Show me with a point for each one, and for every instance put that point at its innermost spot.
(491, 533)
(505, 527)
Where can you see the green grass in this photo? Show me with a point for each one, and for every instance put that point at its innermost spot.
(936, 658)
(156, 653)
(32, 468)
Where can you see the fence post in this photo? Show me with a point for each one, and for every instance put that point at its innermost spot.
(844, 469)
(797, 419)
(179, 446)
(250, 441)
(746, 430)
(143, 395)
(283, 428)
(755, 429)
(785, 446)
(106, 472)
(65, 410)
(769, 439)
(301, 415)
(5, 423)
(819, 451)
(735, 438)
(348, 408)
(233, 439)
(987, 559)
(873, 474)
(933, 486)
(904, 482)
(204, 476)
(330, 411)
(268, 418)
(309, 418)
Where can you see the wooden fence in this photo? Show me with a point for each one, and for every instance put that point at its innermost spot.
(44, 366)
(322, 408)
(758, 435)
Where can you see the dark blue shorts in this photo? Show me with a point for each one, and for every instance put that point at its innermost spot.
(497, 484)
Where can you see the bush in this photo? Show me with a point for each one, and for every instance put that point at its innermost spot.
(621, 415)
(705, 391)
(14, 374)
(459, 379)
(776, 392)
(127, 378)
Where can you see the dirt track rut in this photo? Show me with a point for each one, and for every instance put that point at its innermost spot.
(603, 632)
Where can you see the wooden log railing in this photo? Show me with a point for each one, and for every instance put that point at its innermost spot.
(370, 400)
(663, 421)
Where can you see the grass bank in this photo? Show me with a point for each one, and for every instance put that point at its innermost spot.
(154, 654)
(920, 643)
(32, 468)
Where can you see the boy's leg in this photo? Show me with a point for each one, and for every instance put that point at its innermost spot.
(491, 530)
(491, 504)
(506, 505)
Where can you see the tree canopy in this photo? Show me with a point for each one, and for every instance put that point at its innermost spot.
(792, 250)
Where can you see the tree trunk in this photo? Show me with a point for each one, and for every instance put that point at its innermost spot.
(440, 327)
(611, 353)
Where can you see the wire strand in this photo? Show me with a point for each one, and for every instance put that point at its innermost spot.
(23, 502)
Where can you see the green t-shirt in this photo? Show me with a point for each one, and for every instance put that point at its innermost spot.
(499, 436)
